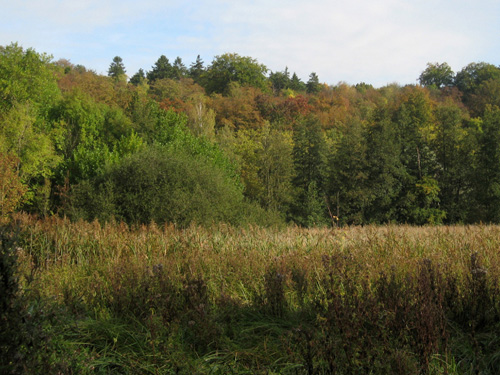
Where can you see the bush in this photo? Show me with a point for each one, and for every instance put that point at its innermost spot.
(161, 185)
(25, 344)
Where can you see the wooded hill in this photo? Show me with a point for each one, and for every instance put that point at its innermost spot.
(233, 142)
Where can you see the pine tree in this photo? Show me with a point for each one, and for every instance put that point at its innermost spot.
(161, 70)
(138, 77)
(179, 70)
(116, 69)
(196, 69)
(313, 86)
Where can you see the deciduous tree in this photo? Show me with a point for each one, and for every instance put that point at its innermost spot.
(438, 75)
(232, 67)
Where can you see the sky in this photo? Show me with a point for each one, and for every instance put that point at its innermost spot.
(378, 42)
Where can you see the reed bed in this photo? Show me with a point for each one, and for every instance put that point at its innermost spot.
(366, 299)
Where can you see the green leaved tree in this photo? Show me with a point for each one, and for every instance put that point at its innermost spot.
(232, 67)
(117, 69)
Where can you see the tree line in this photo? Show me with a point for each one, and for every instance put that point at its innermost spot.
(234, 142)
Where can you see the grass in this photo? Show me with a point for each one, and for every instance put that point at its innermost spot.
(161, 300)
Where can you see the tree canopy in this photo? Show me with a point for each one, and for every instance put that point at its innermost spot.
(234, 142)
(232, 67)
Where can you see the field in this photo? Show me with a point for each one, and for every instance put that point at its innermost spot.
(97, 299)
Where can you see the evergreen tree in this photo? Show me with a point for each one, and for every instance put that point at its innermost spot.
(196, 69)
(179, 70)
(488, 171)
(312, 85)
(280, 80)
(116, 69)
(309, 157)
(348, 183)
(296, 84)
(384, 170)
(138, 78)
(162, 69)
(454, 144)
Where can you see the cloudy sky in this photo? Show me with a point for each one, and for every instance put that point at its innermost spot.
(372, 41)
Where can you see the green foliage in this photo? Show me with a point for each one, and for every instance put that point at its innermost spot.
(162, 69)
(26, 77)
(196, 69)
(34, 147)
(477, 82)
(117, 69)
(35, 152)
(349, 178)
(229, 68)
(471, 77)
(138, 78)
(488, 172)
(12, 190)
(276, 169)
(384, 169)
(280, 80)
(296, 84)
(179, 70)
(365, 299)
(266, 165)
(312, 85)
(427, 212)
(171, 131)
(85, 148)
(162, 185)
(28, 91)
(438, 75)
(454, 143)
(201, 119)
(416, 154)
(415, 122)
(26, 345)
(309, 158)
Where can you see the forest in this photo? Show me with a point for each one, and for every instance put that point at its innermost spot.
(222, 218)
(233, 142)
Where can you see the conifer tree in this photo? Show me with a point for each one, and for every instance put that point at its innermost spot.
(116, 69)
(196, 69)
(162, 69)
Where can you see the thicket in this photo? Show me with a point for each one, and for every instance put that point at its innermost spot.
(164, 186)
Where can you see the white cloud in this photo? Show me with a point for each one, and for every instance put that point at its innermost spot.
(376, 41)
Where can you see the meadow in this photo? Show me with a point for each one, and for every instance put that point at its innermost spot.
(91, 298)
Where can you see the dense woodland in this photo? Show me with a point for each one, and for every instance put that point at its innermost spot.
(231, 141)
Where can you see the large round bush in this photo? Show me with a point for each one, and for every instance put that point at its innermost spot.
(161, 185)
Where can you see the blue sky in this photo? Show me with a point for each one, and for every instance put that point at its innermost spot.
(372, 41)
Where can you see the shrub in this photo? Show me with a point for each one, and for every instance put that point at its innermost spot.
(26, 338)
(161, 185)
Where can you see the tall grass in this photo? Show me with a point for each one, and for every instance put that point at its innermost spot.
(388, 299)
